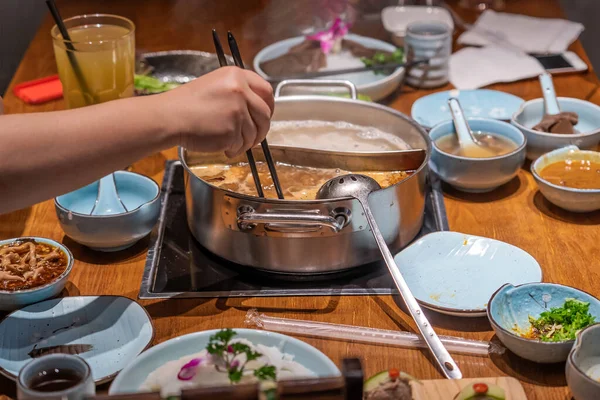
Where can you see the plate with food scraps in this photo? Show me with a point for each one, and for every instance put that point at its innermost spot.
(433, 109)
(106, 331)
(298, 55)
(456, 274)
(208, 357)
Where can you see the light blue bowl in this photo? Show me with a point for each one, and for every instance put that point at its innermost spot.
(478, 174)
(13, 299)
(141, 196)
(538, 143)
(571, 199)
(583, 365)
(510, 307)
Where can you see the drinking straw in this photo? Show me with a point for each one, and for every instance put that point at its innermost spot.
(368, 335)
(70, 49)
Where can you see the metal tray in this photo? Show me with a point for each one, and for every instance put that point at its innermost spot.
(177, 266)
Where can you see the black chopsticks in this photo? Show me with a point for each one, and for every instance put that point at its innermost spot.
(235, 52)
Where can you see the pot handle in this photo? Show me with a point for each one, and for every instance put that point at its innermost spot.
(316, 82)
(290, 221)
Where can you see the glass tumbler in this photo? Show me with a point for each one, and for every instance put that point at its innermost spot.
(428, 41)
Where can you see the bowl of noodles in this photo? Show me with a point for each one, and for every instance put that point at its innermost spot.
(32, 269)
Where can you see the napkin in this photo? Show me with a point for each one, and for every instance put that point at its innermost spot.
(530, 34)
(475, 67)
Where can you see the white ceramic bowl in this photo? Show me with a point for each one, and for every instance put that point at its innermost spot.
(583, 365)
(132, 377)
(13, 299)
(478, 175)
(396, 18)
(538, 143)
(571, 199)
(369, 84)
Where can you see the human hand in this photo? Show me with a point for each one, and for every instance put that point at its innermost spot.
(226, 110)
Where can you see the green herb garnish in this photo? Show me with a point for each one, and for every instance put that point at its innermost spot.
(150, 85)
(383, 58)
(561, 323)
(220, 346)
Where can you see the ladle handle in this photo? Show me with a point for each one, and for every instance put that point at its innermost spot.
(317, 83)
(443, 358)
(550, 102)
(463, 131)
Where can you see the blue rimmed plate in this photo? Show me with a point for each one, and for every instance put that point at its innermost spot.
(433, 109)
(456, 274)
(106, 331)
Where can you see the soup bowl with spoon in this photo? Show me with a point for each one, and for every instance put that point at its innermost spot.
(569, 178)
(476, 154)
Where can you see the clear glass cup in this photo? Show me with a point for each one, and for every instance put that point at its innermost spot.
(56, 377)
(98, 64)
(428, 40)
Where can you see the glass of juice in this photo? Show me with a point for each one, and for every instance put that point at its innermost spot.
(98, 63)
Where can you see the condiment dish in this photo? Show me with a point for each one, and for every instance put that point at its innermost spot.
(510, 307)
(13, 299)
(112, 232)
(538, 143)
(583, 365)
(571, 199)
(478, 174)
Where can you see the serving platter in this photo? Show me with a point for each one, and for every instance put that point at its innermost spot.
(106, 331)
(132, 377)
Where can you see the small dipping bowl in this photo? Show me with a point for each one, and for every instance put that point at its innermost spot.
(11, 300)
(571, 199)
(583, 364)
(112, 232)
(538, 143)
(510, 307)
(477, 175)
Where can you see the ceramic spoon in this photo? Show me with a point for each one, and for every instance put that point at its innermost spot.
(107, 199)
(554, 120)
(470, 146)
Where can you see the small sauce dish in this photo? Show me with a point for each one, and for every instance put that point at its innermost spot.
(111, 232)
(478, 175)
(510, 307)
(569, 198)
(583, 364)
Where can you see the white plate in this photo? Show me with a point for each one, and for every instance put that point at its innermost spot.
(456, 274)
(117, 328)
(396, 18)
(132, 377)
(367, 83)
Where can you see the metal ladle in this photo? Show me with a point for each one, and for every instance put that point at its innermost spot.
(360, 187)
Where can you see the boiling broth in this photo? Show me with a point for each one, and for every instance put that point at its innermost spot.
(578, 174)
(493, 145)
(297, 182)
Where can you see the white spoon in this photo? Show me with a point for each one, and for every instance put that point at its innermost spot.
(469, 145)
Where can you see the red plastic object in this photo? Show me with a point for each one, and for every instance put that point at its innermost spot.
(40, 90)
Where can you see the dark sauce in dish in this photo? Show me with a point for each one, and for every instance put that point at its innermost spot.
(55, 380)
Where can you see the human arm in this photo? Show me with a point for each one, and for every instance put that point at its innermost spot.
(43, 155)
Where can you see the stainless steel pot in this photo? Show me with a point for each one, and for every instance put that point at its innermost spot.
(309, 237)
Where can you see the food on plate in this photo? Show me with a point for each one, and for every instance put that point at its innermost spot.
(297, 182)
(578, 174)
(225, 360)
(562, 123)
(495, 145)
(388, 385)
(560, 323)
(327, 50)
(481, 391)
(26, 264)
(145, 84)
(60, 349)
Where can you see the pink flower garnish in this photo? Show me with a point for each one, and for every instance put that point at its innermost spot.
(188, 371)
(230, 349)
(328, 37)
(235, 364)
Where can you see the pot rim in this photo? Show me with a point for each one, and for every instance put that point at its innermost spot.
(327, 99)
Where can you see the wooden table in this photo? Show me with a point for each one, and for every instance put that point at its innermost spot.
(565, 244)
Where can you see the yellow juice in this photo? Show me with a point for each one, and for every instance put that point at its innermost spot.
(105, 56)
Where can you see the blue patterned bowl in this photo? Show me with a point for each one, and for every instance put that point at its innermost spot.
(510, 307)
(113, 232)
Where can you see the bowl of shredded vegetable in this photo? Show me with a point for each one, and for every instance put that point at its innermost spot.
(539, 321)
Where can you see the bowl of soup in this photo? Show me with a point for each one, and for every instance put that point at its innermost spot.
(32, 269)
(587, 129)
(468, 171)
(569, 178)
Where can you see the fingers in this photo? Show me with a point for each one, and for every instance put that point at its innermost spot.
(260, 114)
(262, 88)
